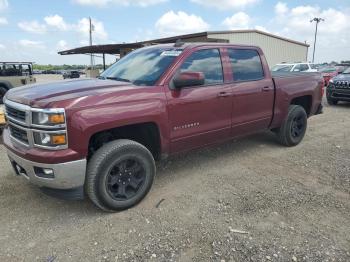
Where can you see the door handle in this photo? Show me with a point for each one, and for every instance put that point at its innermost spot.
(266, 89)
(223, 94)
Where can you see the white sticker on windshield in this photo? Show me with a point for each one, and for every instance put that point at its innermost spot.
(171, 53)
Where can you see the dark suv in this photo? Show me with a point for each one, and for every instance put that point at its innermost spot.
(339, 88)
(71, 74)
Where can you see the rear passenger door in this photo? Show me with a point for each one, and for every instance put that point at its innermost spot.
(253, 91)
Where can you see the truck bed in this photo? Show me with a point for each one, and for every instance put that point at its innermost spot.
(292, 74)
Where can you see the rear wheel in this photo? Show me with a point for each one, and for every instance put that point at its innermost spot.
(119, 175)
(331, 101)
(3, 91)
(294, 127)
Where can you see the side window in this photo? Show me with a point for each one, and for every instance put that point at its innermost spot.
(304, 67)
(297, 68)
(208, 62)
(246, 64)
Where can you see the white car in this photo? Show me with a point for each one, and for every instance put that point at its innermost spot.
(294, 67)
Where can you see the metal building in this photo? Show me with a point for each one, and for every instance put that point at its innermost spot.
(277, 49)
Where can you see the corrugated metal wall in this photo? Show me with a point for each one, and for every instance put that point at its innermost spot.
(276, 50)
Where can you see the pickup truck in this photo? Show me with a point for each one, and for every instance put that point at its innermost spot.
(101, 137)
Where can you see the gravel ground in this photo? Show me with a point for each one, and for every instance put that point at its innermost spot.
(247, 200)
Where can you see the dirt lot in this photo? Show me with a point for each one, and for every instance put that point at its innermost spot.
(247, 200)
(50, 78)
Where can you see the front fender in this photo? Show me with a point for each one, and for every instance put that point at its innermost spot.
(83, 124)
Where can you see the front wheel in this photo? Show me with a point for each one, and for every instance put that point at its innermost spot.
(119, 175)
(294, 127)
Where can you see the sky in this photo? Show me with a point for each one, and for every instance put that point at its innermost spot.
(35, 30)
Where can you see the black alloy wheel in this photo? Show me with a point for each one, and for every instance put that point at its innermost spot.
(293, 128)
(119, 175)
(298, 126)
(125, 179)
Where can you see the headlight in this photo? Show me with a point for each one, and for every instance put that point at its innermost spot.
(50, 139)
(331, 81)
(47, 118)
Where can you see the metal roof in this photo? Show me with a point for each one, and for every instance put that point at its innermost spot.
(115, 48)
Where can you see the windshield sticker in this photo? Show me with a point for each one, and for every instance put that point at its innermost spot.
(171, 53)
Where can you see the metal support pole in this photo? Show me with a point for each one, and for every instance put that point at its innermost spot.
(90, 36)
(104, 61)
(317, 20)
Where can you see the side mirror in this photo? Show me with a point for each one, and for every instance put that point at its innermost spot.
(189, 78)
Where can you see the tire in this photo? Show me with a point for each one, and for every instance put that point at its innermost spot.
(3, 91)
(331, 101)
(117, 168)
(293, 129)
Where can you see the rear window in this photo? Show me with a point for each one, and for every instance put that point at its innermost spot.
(246, 64)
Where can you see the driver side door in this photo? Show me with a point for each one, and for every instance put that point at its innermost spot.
(200, 115)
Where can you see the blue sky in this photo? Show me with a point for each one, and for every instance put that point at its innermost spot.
(35, 30)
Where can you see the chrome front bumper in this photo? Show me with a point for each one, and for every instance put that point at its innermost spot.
(67, 175)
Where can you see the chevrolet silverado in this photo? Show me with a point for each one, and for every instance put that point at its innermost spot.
(101, 137)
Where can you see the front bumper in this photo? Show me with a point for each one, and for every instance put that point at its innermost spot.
(66, 175)
(340, 94)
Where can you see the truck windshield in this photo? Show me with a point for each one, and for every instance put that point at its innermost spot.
(143, 66)
(347, 71)
(328, 70)
(282, 68)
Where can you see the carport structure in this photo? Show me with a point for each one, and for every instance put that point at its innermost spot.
(125, 48)
(277, 49)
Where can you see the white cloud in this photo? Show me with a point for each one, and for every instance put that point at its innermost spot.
(31, 44)
(281, 8)
(261, 28)
(32, 27)
(2, 46)
(225, 4)
(239, 20)
(104, 3)
(4, 4)
(99, 32)
(172, 23)
(62, 45)
(3, 21)
(57, 22)
(333, 43)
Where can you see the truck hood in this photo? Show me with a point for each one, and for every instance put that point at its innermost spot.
(39, 95)
(342, 77)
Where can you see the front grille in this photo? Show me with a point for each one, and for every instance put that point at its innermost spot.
(19, 134)
(342, 84)
(15, 113)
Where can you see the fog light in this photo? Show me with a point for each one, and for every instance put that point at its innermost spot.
(44, 172)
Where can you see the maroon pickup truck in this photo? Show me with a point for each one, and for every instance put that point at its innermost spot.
(101, 137)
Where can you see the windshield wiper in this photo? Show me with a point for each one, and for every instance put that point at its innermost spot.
(118, 79)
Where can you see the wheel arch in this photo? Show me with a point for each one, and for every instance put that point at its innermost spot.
(304, 101)
(145, 133)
